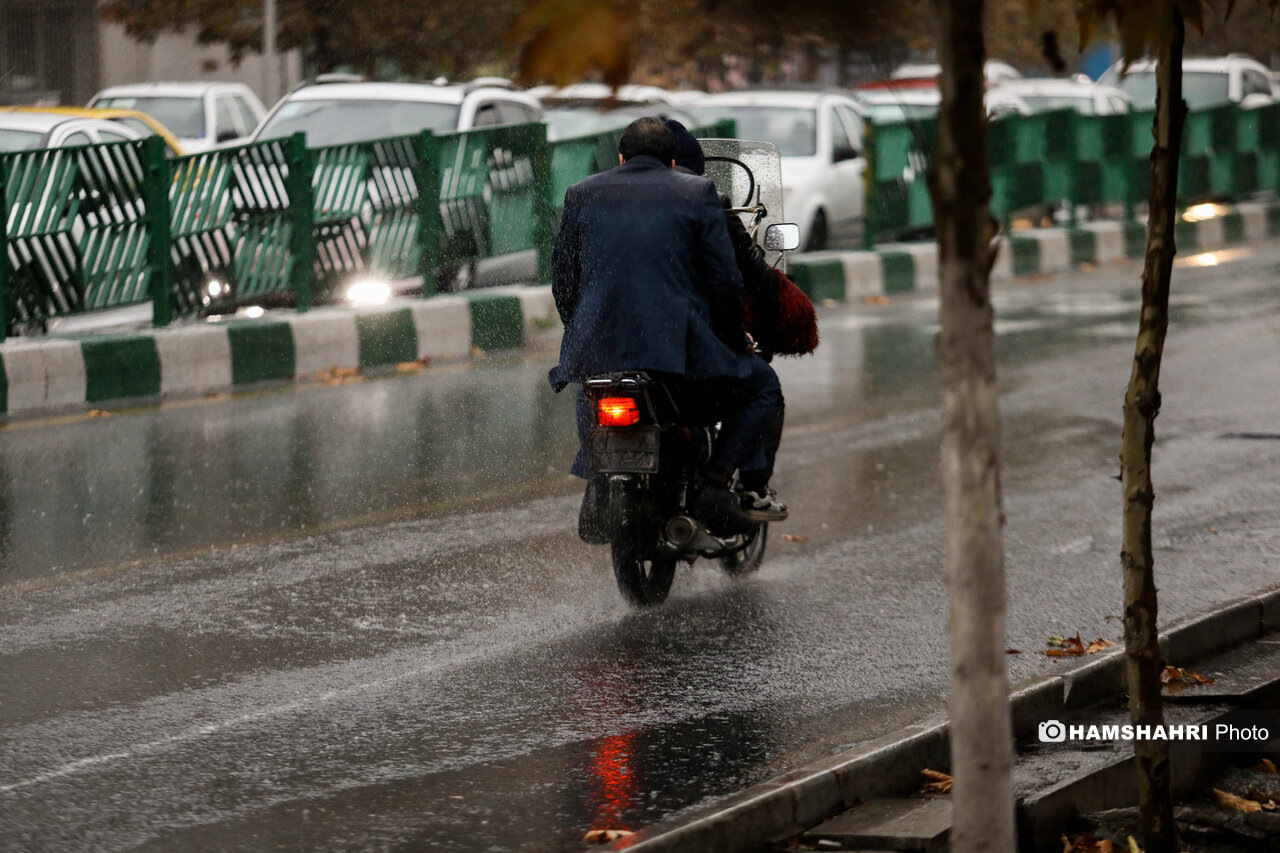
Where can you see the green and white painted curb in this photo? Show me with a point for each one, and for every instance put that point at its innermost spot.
(66, 372)
(62, 372)
(901, 268)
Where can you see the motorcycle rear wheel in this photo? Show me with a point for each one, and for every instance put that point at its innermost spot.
(643, 578)
(747, 560)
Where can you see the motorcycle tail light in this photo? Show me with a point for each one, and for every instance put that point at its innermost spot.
(617, 411)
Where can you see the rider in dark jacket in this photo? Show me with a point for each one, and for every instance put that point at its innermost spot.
(644, 278)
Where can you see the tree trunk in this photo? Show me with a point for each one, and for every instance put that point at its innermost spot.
(981, 735)
(1141, 405)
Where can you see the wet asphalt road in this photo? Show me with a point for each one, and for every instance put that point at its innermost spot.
(357, 618)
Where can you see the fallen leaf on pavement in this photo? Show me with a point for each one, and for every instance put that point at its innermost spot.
(1234, 803)
(1013, 651)
(604, 836)
(1174, 675)
(940, 782)
(791, 537)
(338, 373)
(1086, 844)
(98, 413)
(1066, 647)
(876, 299)
(1070, 647)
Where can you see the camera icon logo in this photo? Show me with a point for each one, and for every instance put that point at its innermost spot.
(1052, 731)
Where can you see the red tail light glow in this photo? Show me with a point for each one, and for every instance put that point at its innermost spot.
(617, 411)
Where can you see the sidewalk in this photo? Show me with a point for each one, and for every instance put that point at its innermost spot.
(868, 798)
(62, 372)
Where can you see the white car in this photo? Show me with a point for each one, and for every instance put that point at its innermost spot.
(820, 137)
(339, 113)
(589, 108)
(201, 115)
(892, 103)
(27, 131)
(629, 94)
(1206, 81)
(994, 70)
(1044, 94)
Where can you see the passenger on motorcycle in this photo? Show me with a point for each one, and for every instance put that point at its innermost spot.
(793, 331)
(644, 278)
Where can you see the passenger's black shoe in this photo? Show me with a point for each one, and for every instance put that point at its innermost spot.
(721, 510)
(593, 518)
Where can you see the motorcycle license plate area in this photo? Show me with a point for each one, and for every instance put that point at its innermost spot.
(633, 450)
(760, 182)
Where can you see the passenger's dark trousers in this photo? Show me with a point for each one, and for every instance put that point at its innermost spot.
(750, 412)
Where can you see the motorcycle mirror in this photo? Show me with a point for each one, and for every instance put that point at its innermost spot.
(782, 237)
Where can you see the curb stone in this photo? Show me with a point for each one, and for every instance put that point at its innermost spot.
(64, 372)
(790, 804)
(907, 267)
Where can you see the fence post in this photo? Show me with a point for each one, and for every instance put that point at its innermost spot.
(430, 223)
(157, 180)
(544, 204)
(870, 215)
(5, 272)
(302, 237)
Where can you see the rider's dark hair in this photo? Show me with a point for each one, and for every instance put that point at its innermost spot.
(650, 136)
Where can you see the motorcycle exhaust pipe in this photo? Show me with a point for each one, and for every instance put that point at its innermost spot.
(682, 531)
(686, 536)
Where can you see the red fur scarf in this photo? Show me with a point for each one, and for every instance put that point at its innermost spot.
(781, 318)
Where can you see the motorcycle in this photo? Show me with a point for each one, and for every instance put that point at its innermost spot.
(652, 455)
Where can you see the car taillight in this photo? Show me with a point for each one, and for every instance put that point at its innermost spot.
(617, 411)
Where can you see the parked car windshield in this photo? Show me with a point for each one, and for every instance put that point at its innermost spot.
(1199, 88)
(898, 112)
(792, 129)
(337, 122)
(570, 122)
(19, 140)
(183, 116)
(1045, 103)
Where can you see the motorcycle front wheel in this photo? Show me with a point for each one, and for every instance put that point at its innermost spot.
(642, 577)
(747, 560)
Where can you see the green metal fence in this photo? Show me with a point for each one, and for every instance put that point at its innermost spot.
(114, 225)
(76, 230)
(1048, 158)
(119, 224)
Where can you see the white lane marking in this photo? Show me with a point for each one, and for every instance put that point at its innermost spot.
(81, 764)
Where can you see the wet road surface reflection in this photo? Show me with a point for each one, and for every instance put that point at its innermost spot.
(151, 483)
(408, 649)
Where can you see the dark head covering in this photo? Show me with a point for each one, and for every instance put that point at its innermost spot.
(688, 150)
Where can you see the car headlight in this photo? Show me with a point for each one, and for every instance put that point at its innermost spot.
(368, 292)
